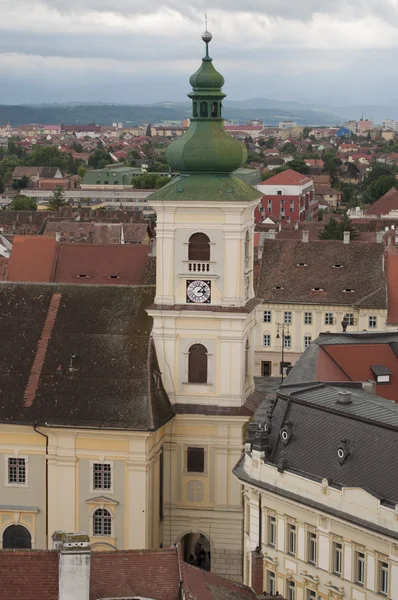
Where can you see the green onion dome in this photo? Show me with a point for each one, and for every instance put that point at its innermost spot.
(206, 147)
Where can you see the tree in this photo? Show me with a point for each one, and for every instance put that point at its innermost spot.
(57, 199)
(81, 171)
(334, 230)
(99, 158)
(270, 143)
(331, 164)
(369, 137)
(149, 181)
(21, 183)
(274, 172)
(378, 187)
(306, 132)
(288, 148)
(297, 164)
(23, 203)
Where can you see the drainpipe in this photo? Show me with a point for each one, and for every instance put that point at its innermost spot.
(35, 425)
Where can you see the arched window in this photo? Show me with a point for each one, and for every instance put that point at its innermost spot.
(199, 247)
(195, 109)
(214, 110)
(203, 109)
(197, 364)
(247, 348)
(102, 522)
(15, 537)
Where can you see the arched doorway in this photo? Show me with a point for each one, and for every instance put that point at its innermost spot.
(196, 550)
(16, 536)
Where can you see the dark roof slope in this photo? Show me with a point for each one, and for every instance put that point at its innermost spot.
(369, 427)
(110, 384)
(385, 204)
(282, 279)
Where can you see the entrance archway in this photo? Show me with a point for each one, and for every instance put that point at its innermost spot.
(196, 550)
(16, 536)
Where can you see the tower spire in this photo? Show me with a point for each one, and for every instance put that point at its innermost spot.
(206, 37)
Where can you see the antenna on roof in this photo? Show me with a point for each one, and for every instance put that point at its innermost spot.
(205, 20)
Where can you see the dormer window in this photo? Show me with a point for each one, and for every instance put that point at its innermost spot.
(278, 287)
(382, 374)
(337, 266)
(317, 289)
(348, 291)
(302, 265)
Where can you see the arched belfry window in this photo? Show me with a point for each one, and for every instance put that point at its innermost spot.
(247, 349)
(195, 109)
(203, 109)
(197, 364)
(214, 110)
(199, 247)
(16, 536)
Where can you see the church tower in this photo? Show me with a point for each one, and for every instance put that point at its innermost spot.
(204, 319)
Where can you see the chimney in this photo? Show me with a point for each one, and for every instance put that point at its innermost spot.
(379, 237)
(257, 572)
(389, 242)
(296, 225)
(271, 234)
(396, 239)
(344, 398)
(346, 237)
(369, 386)
(74, 565)
(305, 237)
(57, 236)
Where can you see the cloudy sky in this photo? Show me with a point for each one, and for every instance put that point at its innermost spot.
(335, 52)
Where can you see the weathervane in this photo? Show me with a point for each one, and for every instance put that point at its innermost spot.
(207, 37)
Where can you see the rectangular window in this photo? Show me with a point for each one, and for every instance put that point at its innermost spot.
(291, 542)
(269, 205)
(267, 340)
(349, 317)
(383, 578)
(308, 318)
(279, 192)
(272, 531)
(161, 484)
(329, 318)
(312, 548)
(102, 476)
(195, 460)
(271, 583)
(337, 558)
(291, 590)
(287, 341)
(372, 322)
(307, 341)
(291, 205)
(287, 317)
(16, 470)
(267, 316)
(311, 595)
(360, 568)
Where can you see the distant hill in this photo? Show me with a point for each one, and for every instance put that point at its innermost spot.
(106, 114)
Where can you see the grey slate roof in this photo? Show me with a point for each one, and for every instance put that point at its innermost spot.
(362, 271)
(113, 384)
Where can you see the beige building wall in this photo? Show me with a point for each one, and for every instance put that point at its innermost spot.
(324, 318)
(333, 525)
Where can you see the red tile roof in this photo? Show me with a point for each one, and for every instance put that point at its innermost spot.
(28, 574)
(288, 177)
(392, 285)
(385, 204)
(32, 259)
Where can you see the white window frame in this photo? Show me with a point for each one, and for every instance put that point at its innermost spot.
(269, 316)
(287, 342)
(271, 582)
(6, 470)
(267, 335)
(308, 318)
(307, 341)
(291, 537)
(290, 589)
(382, 567)
(372, 322)
(94, 490)
(350, 318)
(337, 551)
(360, 558)
(288, 317)
(312, 542)
(102, 535)
(271, 527)
(329, 318)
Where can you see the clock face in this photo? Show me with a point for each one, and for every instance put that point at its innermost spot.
(198, 291)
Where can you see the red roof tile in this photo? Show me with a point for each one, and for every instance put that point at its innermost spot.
(32, 259)
(28, 574)
(385, 204)
(288, 177)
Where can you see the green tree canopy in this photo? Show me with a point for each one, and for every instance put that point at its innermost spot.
(149, 181)
(334, 230)
(57, 199)
(288, 148)
(21, 183)
(23, 203)
(378, 187)
(99, 158)
(298, 164)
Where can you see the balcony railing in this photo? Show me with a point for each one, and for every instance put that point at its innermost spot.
(199, 267)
